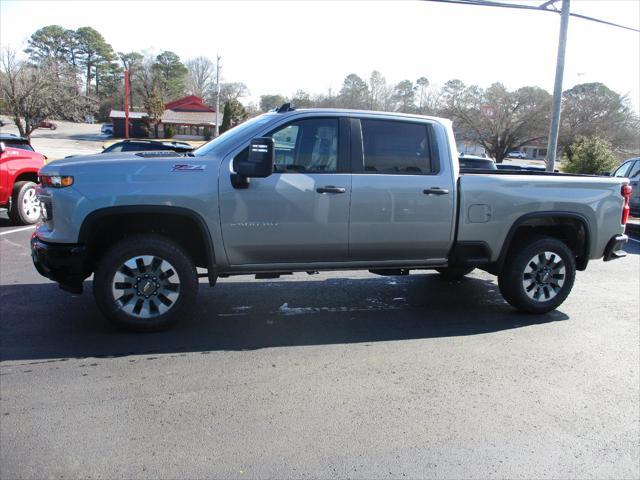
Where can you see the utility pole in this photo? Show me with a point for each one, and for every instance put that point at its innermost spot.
(217, 94)
(552, 146)
(126, 104)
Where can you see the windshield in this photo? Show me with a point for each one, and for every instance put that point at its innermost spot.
(21, 144)
(239, 130)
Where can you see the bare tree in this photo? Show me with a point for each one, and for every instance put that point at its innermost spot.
(498, 119)
(146, 77)
(422, 86)
(232, 91)
(201, 75)
(133, 62)
(592, 109)
(34, 92)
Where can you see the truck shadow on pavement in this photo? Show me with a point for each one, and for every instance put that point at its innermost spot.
(41, 322)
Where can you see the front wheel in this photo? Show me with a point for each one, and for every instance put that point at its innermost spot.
(145, 283)
(538, 275)
(25, 206)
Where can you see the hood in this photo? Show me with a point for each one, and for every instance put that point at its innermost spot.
(125, 161)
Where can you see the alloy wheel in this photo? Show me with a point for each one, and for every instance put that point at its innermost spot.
(544, 276)
(146, 286)
(31, 205)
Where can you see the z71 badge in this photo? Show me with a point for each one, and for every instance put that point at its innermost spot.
(187, 167)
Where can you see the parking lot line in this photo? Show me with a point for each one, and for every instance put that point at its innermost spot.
(17, 230)
(634, 240)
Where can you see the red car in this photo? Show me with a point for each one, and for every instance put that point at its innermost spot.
(45, 124)
(19, 166)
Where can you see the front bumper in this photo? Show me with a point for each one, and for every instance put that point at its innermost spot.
(615, 247)
(63, 263)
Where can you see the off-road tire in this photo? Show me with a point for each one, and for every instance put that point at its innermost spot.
(519, 280)
(21, 211)
(106, 287)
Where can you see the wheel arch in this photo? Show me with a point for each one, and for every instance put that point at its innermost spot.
(27, 176)
(570, 227)
(184, 226)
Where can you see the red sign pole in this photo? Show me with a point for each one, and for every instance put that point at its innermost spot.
(126, 104)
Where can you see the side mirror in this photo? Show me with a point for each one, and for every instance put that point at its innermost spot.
(3, 147)
(605, 174)
(259, 163)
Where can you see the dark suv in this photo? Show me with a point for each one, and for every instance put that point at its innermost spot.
(148, 145)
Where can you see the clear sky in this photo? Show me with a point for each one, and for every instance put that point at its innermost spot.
(278, 47)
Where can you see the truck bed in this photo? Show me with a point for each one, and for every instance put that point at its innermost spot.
(492, 202)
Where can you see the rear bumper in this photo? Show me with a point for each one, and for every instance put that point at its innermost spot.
(63, 263)
(615, 247)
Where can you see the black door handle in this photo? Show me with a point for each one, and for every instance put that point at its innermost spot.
(435, 191)
(330, 189)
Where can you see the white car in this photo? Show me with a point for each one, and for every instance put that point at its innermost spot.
(107, 129)
(517, 154)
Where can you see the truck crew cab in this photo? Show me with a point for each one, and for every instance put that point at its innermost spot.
(318, 189)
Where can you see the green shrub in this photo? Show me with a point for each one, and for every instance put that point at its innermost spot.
(208, 134)
(169, 131)
(591, 155)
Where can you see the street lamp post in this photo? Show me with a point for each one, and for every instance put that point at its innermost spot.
(217, 95)
(552, 146)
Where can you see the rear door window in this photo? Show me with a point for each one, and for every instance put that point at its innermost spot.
(393, 147)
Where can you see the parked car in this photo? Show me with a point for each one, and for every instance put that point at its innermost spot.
(147, 145)
(471, 162)
(107, 129)
(19, 166)
(316, 189)
(46, 124)
(631, 169)
(517, 154)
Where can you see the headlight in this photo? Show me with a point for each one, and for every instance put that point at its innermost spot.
(56, 181)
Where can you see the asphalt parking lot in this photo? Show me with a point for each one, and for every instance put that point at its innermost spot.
(67, 139)
(334, 375)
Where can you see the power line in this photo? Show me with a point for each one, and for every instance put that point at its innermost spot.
(541, 8)
(603, 21)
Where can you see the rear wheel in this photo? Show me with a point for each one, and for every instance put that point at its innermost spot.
(454, 273)
(145, 283)
(538, 275)
(25, 206)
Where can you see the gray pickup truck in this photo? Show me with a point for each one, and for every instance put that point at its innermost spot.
(309, 190)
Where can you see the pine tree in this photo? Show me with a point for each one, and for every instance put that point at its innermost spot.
(226, 118)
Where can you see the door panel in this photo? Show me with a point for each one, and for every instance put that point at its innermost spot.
(283, 219)
(402, 204)
(4, 180)
(392, 219)
(299, 213)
